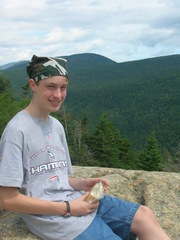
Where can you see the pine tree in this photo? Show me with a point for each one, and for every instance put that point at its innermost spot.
(104, 143)
(84, 125)
(26, 90)
(5, 86)
(126, 154)
(150, 159)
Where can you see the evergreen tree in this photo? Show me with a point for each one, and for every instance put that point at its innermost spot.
(126, 154)
(8, 108)
(84, 126)
(6, 102)
(5, 86)
(26, 90)
(150, 159)
(104, 143)
(172, 163)
(78, 132)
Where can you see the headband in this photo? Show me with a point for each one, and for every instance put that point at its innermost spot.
(45, 67)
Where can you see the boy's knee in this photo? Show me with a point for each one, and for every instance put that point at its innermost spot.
(143, 219)
(146, 224)
(145, 213)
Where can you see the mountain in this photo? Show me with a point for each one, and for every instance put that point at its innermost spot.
(140, 96)
(6, 66)
(76, 63)
(87, 61)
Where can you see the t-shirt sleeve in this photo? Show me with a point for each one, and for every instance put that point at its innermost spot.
(11, 167)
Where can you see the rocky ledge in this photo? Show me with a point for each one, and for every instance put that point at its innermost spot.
(158, 190)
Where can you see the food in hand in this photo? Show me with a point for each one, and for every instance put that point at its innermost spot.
(96, 193)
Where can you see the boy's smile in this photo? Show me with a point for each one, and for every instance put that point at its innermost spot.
(48, 95)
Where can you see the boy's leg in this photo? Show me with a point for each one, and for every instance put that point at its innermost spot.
(146, 227)
(127, 220)
(118, 215)
(98, 230)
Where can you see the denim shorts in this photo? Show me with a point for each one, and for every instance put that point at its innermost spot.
(112, 222)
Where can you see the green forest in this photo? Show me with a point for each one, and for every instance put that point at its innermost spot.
(121, 115)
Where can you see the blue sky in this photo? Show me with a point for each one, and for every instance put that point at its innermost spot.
(120, 30)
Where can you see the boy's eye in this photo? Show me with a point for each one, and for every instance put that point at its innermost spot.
(51, 86)
(63, 88)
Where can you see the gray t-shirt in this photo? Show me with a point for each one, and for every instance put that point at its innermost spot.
(35, 158)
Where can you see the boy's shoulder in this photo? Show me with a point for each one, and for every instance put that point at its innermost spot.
(55, 121)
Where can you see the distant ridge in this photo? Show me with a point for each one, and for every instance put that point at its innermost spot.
(6, 66)
(87, 60)
(140, 96)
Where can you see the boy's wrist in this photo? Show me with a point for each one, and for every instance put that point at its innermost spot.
(68, 209)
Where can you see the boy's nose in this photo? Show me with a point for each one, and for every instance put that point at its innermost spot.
(58, 93)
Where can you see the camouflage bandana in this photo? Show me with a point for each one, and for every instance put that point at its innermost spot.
(45, 67)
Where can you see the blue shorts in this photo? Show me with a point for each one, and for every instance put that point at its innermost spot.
(112, 222)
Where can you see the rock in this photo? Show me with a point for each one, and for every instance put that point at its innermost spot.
(158, 190)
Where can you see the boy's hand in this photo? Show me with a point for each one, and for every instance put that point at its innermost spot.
(90, 182)
(79, 207)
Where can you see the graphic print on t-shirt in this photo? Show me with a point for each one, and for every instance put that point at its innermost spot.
(54, 178)
(48, 134)
(47, 159)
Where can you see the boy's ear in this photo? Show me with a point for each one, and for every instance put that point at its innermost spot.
(32, 84)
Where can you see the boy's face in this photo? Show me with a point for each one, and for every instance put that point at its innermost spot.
(49, 93)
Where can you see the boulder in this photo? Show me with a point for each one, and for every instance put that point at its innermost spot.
(158, 190)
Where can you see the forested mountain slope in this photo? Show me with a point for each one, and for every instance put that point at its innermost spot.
(140, 96)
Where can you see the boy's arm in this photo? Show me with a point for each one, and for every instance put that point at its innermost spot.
(12, 200)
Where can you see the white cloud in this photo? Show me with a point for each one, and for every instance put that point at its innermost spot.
(66, 35)
(118, 29)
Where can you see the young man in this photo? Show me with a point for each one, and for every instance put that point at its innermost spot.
(34, 169)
